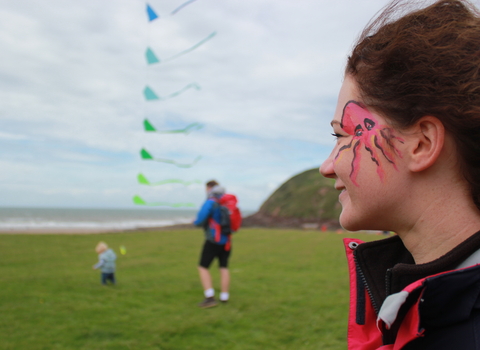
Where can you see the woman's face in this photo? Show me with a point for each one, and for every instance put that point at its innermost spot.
(366, 164)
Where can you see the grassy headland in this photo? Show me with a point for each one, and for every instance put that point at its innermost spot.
(307, 197)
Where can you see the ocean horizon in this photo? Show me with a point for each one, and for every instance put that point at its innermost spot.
(38, 218)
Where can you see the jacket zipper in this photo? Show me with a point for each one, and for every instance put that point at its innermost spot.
(364, 281)
(388, 282)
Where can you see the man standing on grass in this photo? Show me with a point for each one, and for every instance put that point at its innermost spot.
(217, 245)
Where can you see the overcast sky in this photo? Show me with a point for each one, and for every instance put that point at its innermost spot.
(72, 75)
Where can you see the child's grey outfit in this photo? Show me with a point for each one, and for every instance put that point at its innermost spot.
(106, 263)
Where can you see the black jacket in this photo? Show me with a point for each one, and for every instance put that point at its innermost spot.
(430, 306)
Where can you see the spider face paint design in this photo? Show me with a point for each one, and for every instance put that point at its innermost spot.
(378, 140)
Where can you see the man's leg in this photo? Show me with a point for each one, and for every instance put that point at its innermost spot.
(208, 290)
(205, 278)
(225, 283)
(206, 258)
(224, 274)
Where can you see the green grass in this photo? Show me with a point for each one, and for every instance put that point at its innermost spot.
(289, 290)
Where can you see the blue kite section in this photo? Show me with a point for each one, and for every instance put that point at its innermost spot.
(151, 14)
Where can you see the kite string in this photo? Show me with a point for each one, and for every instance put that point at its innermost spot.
(153, 59)
(139, 201)
(189, 86)
(142, 180)
(147, 156)
(203, 41)
(181, 7)
(151, 95)
(148, 127)
(179, 165)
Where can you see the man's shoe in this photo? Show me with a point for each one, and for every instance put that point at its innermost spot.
(208, 302)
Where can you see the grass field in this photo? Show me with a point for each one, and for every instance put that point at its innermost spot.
(289, 290)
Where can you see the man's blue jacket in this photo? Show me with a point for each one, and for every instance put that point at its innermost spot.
(209, 217)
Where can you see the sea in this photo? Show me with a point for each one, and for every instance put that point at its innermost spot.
(57, 219)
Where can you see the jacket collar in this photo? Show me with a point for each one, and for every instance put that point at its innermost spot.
(388, 267)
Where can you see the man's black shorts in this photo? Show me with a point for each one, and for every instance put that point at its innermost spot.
(211, 251)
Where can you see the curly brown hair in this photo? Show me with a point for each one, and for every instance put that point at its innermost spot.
(409, 64)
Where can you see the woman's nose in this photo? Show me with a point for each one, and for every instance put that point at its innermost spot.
(326, 169)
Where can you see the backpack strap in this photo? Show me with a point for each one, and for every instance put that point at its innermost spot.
(215, 226)
(228, 245)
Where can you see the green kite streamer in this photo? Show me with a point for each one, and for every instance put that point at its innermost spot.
(181, 7)
(147, 156)
(142, 180)
(186, 130)
(192, 48)
(139, 201)
(150, 95)
(151, 57)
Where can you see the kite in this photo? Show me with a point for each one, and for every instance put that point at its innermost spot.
(142, 180)
(147, 156)
(186, 130)
(139, 201)
(151, 14)
(189, 86)
(181, 7)
(123, 250)
(192, 48)
(150, 95)
(151, 57)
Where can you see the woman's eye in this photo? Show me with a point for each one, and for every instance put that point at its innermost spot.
(336, 135)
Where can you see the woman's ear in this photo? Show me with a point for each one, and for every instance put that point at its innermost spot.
(427, 140)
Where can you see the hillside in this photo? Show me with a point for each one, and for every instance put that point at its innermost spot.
(305, 199)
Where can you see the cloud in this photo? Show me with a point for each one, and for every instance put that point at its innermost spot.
(10, 136)
(72, 77)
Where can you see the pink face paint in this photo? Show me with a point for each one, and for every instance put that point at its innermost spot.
(378, 140)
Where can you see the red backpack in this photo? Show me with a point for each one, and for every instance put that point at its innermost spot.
(230, 202)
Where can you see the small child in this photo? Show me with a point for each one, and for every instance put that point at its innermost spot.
(106, 262)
